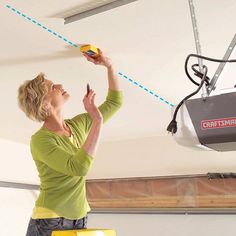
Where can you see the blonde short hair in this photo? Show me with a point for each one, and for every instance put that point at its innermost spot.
(31, 96)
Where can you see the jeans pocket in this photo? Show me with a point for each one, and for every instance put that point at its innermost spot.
(49, 224)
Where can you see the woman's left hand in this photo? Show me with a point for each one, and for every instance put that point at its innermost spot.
(99, 60)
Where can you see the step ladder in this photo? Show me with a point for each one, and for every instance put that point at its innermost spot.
(85, 232)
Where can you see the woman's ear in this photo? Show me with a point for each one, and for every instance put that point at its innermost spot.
(47, 107)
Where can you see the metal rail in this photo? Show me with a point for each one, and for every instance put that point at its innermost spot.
(166, 211)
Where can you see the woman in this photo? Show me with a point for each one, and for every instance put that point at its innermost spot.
(63, 150)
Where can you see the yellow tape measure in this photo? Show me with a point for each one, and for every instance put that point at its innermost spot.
(89, 50)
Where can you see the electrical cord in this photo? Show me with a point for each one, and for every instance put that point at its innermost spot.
(172, 127)
(205, 58)
(199, 74)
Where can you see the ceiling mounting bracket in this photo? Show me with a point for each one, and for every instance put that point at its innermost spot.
(96, 10)
(207, 90)
(197, 41)
(221, 66)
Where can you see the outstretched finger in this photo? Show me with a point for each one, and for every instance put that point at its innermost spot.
(92, 99)
(91, 96)
(91, 92)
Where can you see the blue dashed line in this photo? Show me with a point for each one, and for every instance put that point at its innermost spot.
(144, 88)
(66, 40)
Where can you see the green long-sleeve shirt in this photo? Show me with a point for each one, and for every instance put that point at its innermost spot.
(62, 167)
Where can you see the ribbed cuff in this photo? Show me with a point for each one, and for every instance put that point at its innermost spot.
(115, 95)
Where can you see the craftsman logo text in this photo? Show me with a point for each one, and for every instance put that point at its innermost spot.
(218, 123)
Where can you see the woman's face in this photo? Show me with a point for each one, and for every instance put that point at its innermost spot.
(56, 95)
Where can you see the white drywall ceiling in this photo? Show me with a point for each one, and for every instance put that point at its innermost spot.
(148, 40)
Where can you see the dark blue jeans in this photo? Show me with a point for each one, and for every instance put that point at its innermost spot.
(44, 227)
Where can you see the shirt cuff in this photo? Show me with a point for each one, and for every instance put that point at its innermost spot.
(115, 95)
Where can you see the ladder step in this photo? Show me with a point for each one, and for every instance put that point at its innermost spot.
(85, 232)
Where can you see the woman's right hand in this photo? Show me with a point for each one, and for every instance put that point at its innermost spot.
(90, 106)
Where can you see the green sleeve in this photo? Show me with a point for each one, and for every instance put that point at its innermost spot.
(111, 105)
(46, 150)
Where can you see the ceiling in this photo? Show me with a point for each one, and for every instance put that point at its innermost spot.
(148, 40)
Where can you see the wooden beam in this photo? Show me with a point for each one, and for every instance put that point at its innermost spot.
(149, 193)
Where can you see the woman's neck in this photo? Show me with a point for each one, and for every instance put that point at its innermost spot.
(57, 125)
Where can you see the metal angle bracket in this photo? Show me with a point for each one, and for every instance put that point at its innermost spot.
(221, 66)
(197, 41)
(196, 34)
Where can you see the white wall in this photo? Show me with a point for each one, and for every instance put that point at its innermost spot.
(17, 163)
(15, 211)
(165, 225)
(16, 207)
(153, 156)
(157, 156)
